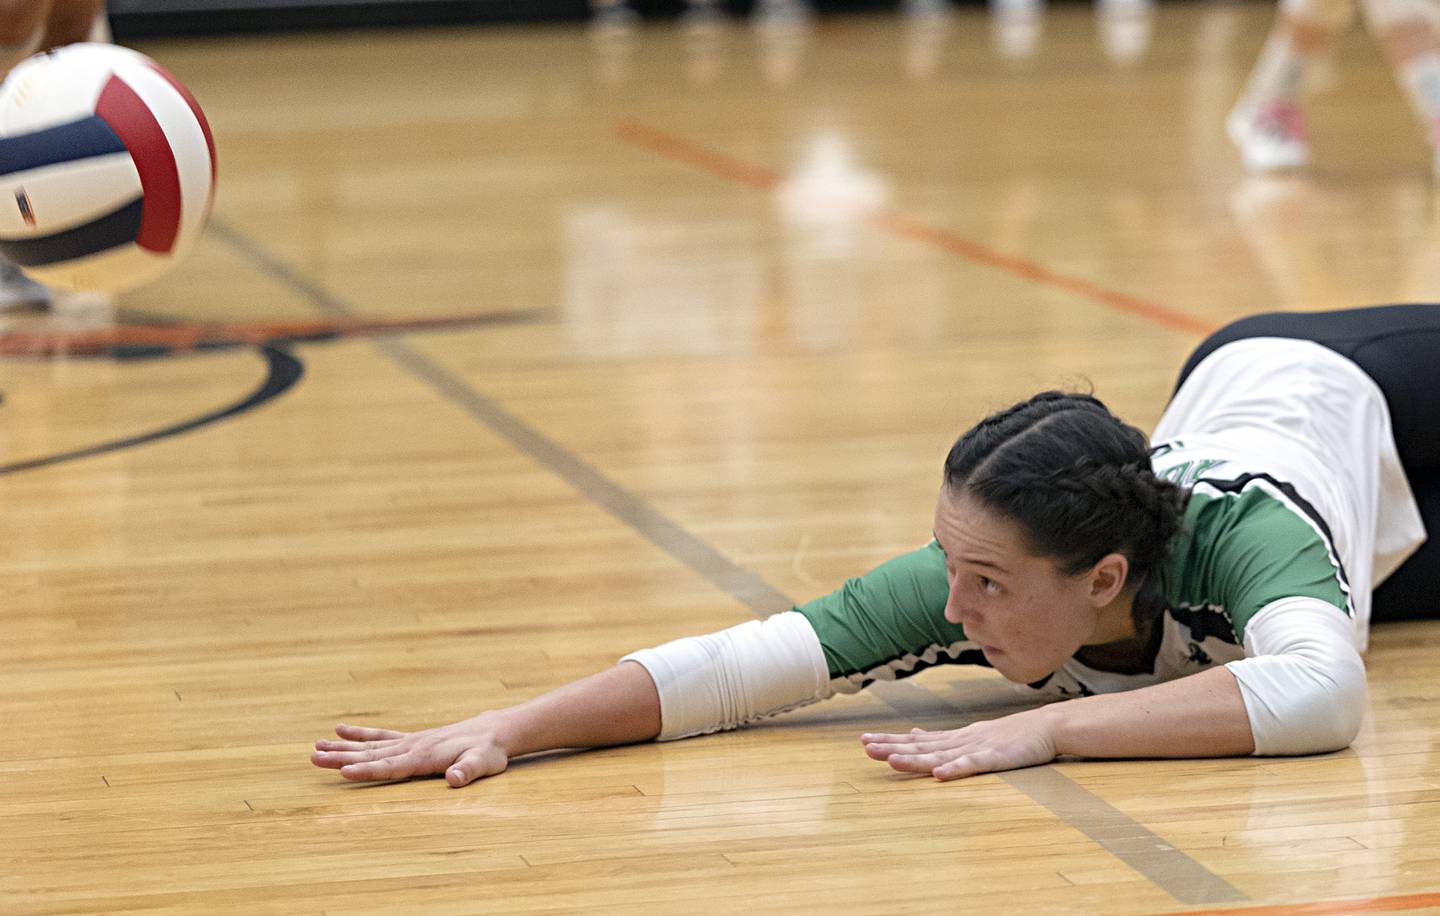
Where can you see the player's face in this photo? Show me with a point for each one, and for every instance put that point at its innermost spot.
(1027, 615)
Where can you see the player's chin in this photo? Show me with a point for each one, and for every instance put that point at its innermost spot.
(1019, 671)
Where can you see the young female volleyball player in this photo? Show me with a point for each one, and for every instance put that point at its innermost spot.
(28, 27)
(1207, 596)
(1267, 123)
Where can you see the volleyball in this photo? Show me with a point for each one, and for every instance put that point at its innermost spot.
(107, 168)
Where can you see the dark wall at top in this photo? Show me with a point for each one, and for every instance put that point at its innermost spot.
(139, 18)
(136, 18)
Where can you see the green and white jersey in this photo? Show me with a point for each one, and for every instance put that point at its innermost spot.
(1293, 478)
(1313, 429)
(1298, 507)
(1246, 544)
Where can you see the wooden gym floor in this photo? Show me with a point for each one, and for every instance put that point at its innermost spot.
(607, 340)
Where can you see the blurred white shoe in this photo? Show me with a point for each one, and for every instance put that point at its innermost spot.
(18, 291)
(1271, 137)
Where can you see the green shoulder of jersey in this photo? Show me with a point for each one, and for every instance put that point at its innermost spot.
(1246, 544)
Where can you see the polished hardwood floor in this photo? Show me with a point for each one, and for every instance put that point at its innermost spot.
(736, 288)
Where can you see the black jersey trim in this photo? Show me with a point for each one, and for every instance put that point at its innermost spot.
(1238, 484)
(943, 657)
(1204, 622)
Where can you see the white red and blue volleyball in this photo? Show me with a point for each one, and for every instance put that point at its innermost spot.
(107, 168)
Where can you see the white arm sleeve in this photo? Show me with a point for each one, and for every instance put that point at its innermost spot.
(1303, 682)
(735, 676)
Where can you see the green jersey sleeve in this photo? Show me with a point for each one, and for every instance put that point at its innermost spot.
(889, 623)
(1252, 547)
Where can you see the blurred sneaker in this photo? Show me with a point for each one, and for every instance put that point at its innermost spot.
(18, 291)
(1270, 137)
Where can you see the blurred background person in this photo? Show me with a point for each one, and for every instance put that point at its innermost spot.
(1267, 124)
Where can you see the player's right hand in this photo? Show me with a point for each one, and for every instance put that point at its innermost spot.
(464, 752)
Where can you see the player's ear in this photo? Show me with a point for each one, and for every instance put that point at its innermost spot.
(1107, 578)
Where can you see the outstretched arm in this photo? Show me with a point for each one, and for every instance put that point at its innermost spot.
(1301, 691)
(616, 706)
(1202, 715)
(886, 624)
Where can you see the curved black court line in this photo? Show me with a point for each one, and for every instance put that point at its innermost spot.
(1168, 868)
(282, 371)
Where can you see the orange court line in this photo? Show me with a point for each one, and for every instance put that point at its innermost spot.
(760, 178)
(682, 150)
(1368, 905)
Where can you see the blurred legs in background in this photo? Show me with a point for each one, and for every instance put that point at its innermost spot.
(1407, 33)
(1268, 122)
(618, 14)
(1123, 26)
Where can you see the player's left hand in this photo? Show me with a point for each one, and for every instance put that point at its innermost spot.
(1008, 743)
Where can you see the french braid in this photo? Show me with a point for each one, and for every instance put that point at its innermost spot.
(1076, 479)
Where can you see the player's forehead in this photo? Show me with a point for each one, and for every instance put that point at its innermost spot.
(970, 532)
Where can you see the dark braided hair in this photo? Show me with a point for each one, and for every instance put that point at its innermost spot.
(1078, 481)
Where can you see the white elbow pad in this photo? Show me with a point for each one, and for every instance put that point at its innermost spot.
(726, 679)
(1304, 682)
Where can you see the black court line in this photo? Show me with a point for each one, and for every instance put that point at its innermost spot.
(1169, 868)
(752, 590)
(282, 371)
